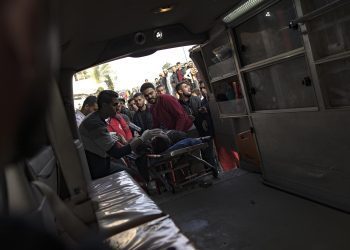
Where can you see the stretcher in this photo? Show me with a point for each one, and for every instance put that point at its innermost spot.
(174, 169)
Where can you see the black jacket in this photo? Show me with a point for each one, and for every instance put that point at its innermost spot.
(143, 119)
(173, 79)
(202, 122)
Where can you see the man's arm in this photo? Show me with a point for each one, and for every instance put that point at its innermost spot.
(104, 141)
(126, 129)
(156, 123)
(178, 112)
(119, 152)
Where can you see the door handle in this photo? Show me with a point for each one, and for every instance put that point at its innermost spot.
(306, 81)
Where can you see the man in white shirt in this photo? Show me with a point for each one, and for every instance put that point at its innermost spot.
(89, 106)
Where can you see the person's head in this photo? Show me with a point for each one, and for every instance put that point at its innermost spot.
(149, 92)
(146, 80)
(161, 89)
(190, 64)
(174, 69)
(160, 143)
(139, 100)
(183, 89)
(178, 65)
(165, 72)
(203, 89)
(196, 92)
(107, 101)
(89, 105)
(119, 108)
(161, 75)
(122, 101)
(131, 104)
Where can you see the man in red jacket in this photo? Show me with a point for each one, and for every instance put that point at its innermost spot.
(167, 112)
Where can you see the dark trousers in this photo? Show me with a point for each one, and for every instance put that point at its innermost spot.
(101, 167)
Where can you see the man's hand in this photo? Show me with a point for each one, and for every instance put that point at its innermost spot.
(122, 139)
(119, 138)
(203, 110)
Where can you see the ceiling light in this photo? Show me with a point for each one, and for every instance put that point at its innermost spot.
(163, 9)
(268, 14)
(242, 9)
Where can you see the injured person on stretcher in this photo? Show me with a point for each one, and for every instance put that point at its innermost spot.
(166, 141)
(168, 157)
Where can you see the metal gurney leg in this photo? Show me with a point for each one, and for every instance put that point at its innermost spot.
(213, 169)
(171, 158)
(153, 172)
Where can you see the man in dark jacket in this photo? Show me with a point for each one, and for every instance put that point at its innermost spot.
(143, 116)
(191, 104)
(200, 115)
(173, 78)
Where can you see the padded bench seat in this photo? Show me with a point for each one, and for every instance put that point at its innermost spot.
(122, 204)
(161, 233)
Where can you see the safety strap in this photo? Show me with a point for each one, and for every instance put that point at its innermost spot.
(62, 142)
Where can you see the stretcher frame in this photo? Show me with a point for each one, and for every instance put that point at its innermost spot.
(167, 165)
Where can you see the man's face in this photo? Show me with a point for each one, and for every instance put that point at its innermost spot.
(91, 108)
(161, 90)
(122, 104)
(178, 66)
(119, 107)
(151, 95)
(139, 101)
(110, 109)
(132, 105)
(203, 89)
(186, 90)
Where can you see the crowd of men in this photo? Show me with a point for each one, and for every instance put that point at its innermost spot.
(169, 77)
(111, 127)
